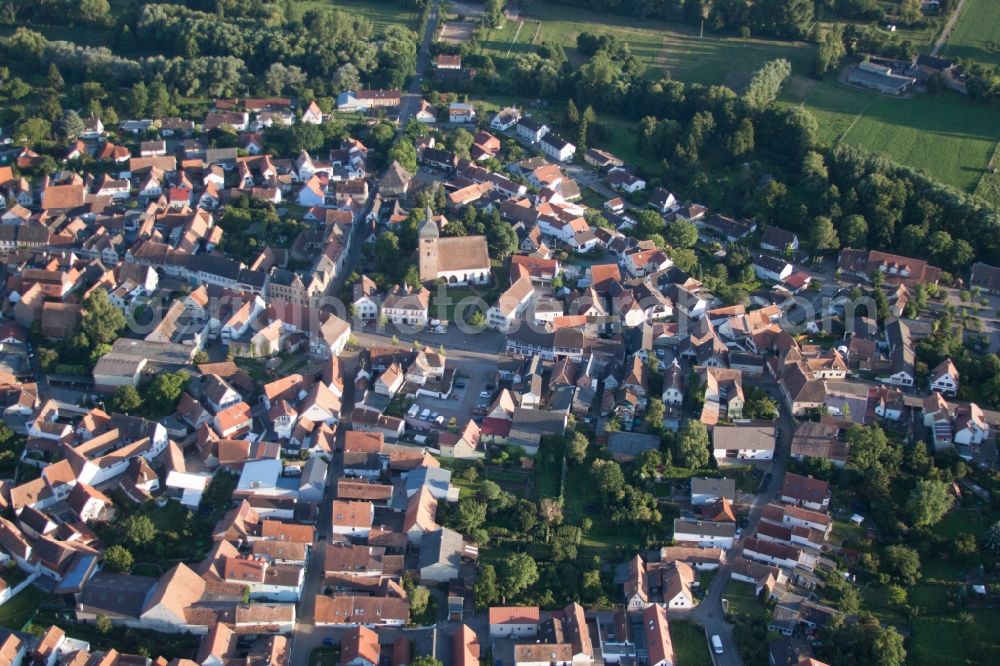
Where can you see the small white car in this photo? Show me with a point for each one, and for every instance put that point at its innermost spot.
(717, 644)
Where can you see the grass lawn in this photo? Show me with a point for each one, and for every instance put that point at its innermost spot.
(21, 608)
(989, 183)
(961, 521)
(665, 48)
(874, 601)
(690, 644)
(742, 602)
(443, 302)
(945, 640)
(951, 139)
(381, 13)
(975, 35)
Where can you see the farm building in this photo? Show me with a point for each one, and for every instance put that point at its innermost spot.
(879, 78)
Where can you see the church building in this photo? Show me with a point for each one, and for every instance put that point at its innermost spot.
(458, 260)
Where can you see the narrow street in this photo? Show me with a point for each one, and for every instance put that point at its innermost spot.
(410, 103)
(709, 612)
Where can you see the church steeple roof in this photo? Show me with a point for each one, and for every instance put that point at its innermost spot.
(429, 227)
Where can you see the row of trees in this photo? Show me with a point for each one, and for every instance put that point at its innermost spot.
(777, 18)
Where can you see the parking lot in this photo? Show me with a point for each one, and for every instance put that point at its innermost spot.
(473, 376)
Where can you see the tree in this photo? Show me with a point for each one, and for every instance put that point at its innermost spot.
(426, 660)
(138, 529)
(609, 478)
(854, 231)
(97, 12)
(647, 464)
(831, 50)
(550, 510)
(655, 413)
(103, 624)
(991, 540)
(910, 12)
(692, 444)
(490, 490)
(822, 235)
(895, 595)
(902, 563)
(476, 319)
(33, 131)
(686, 260)
(54, 78)
(929, 501)
(517, 573)
(576, 447)
(126, 400)
(118, 558)
(138, 99)
(420, 596)
(863, 643)
(587, 120)
(470, 514)
(760, 407)
(649, 222)
(681, 234)
(741, 141)
(766, 83)
(102, 321)
(165, 390)
(501, 238)
(461, 141)
(404, 153)
(572, 117)
(872, 453)
(487, 588)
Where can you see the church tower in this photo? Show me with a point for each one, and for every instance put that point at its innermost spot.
(428, 236)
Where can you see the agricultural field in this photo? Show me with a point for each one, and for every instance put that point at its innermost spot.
(665, 48)
(951, 139)
(977, 33)
(382, 13)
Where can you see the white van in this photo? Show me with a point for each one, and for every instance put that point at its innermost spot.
(413, 410)
(717, 644)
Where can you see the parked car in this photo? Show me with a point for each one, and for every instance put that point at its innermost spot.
(717, 644)
(413, 410)
(424, 414)
(485, 394)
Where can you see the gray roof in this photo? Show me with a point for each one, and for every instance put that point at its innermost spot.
(631, 444)
(538, 421)
(120, 594)
(443, 546)
(704, 527)
(758, 437)
(313, 473)
(701, 485)
(434, 477)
